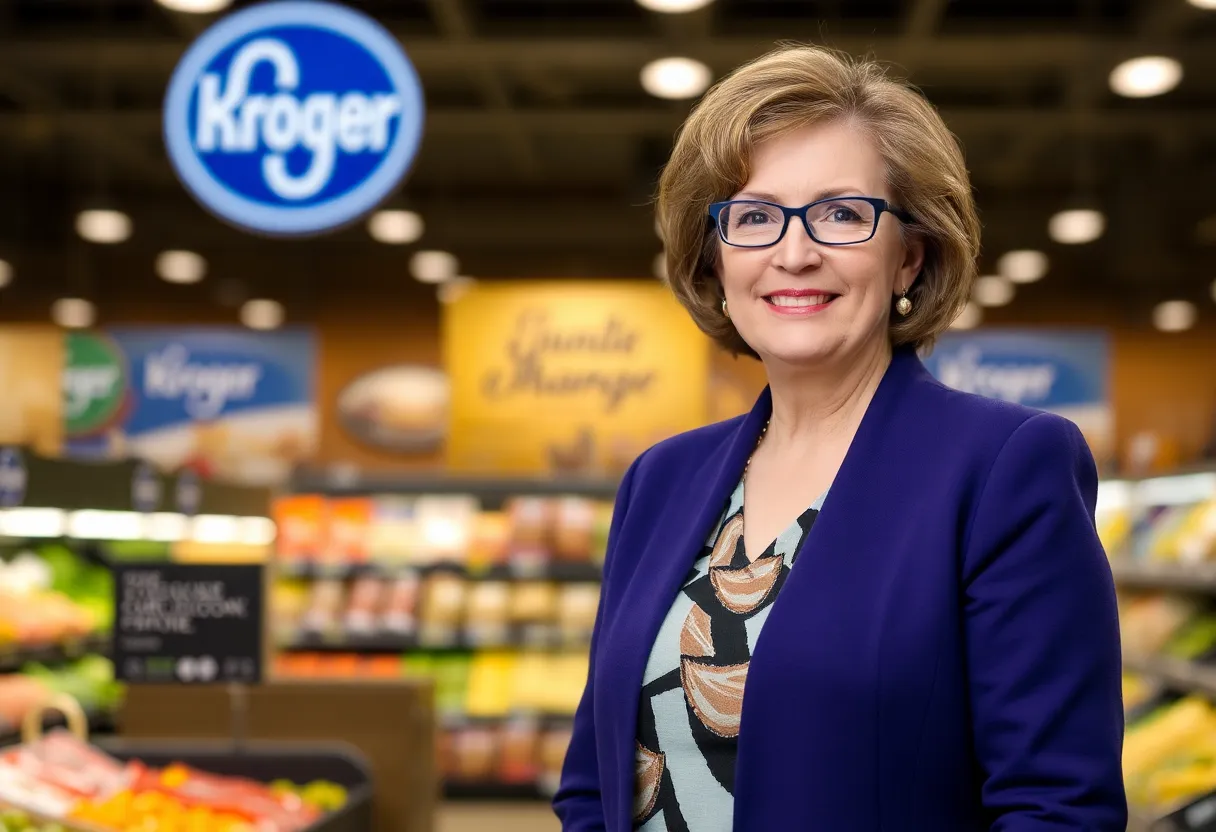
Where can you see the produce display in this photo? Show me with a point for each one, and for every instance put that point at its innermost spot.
(52, 596)
(1169, 756)
(90, 681)
(63, 778)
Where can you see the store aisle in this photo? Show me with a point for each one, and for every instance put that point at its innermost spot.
(499, 817)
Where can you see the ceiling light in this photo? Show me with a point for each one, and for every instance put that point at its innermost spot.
(453, 290)
(103, 226)
(1214, 290)
(181, 266)
(659, 266)
(395, 227)
(969, 318)
(1023, 266)
(993, 290)
(73, 313)
(673, 6)
(262, 314)
(1145, 77)
(6, 273)
(195, 6)
(433, 266)
(676, 78)
(1077, 226)
(1203, 4)
(1174, 315)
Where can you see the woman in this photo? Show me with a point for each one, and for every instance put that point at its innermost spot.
(907, 578)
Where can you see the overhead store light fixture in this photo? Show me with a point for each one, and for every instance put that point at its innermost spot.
(73, 313)
(1146, 76)
(1174, 315)
(676, 78)
(969, 318)
(181, 266)
(196, 6)
(6, 273)
(673, 6)
(1077, 226)
(1022, 266)
(453, 290)
(395, 227)
(433, 266)
(1214, 291)
(1203, 4)
(103, 226)
(993, 290)
(262, 314)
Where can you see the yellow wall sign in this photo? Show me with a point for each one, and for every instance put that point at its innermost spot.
(569, 377)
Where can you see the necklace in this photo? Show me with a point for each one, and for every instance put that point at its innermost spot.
(759, 439)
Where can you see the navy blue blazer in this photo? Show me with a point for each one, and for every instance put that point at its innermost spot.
(944, 656)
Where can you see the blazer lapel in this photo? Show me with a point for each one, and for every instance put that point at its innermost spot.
(693, 507)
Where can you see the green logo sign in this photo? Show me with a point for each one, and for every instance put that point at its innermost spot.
(94, 384)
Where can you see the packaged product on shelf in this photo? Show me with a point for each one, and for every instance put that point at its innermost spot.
(487, 614)
(446, 527)
(1195, 640)
(491, 684)
(301, 527)
(576, 609)
(401, 606)
(393, 537)
(324, 611)
(476, 747)
(519, 751)
(289, 602)
(534, 611)
(491, 540)
(531, 538)
(531, 684)
(452, 675)
(567, 678)
(1138, 691)
(348, 527)
(364, 605)
(573, 529)
(1195, 538)
(442, 608)
(554, 742)
(601, 525)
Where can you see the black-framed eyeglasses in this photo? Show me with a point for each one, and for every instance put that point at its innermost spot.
(837, 221)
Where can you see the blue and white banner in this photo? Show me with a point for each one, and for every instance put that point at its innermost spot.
(1061, 371)
(228, 404)
(293, 118)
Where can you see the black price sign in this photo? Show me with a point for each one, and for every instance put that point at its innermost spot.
(188, 623)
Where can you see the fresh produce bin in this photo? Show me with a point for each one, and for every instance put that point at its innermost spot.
(267, 762)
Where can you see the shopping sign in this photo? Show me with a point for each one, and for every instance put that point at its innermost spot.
(293, 118)
(228, 404)
(1060, 371)
(188, 623)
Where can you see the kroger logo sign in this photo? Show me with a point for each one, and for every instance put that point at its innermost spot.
(293, 118)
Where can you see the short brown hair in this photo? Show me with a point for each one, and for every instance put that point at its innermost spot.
(793, 87)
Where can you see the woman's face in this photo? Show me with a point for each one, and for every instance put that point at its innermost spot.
(801, 303)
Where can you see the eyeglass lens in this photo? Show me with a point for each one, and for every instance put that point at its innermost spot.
(838, 221)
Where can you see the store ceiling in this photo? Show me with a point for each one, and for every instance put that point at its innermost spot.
(541, 148)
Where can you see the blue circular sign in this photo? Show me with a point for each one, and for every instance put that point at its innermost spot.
(293, 118)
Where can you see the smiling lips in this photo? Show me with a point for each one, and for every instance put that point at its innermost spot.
(799, 301)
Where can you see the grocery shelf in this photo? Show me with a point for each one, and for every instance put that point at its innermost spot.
(1175, 672)
(560, 572)
(15, 657)
(489, 489)
(1200, 577)
(387, 644)
(490, 791)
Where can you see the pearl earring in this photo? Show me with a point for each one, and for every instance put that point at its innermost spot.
(903, 306)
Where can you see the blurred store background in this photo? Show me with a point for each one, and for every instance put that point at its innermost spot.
(414, 413)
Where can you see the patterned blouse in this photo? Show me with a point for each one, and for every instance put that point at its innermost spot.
(692, 693)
